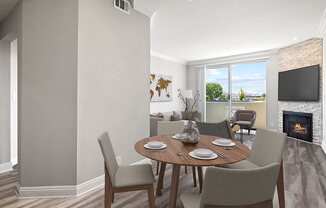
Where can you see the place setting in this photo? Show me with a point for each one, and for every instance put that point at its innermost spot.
(155, 146)
(224, 143)
(203, 154)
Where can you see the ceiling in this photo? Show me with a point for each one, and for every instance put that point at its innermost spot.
(189, 30)
(6, 6)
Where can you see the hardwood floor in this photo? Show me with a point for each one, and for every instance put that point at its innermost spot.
(304, 174)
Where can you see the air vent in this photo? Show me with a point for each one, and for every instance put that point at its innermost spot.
(122, 5)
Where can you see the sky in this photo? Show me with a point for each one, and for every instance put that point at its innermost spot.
(251, 77)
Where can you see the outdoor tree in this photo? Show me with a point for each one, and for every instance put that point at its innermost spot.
(213, 91)
(242, 95)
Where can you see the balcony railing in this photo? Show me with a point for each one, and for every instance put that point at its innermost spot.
(217, 111)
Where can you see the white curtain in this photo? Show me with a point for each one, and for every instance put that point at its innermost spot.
(201, 77)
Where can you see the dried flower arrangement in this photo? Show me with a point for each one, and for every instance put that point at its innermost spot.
(191, 114)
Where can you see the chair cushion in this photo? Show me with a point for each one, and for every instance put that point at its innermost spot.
(190, 200)
(243, 164)
(244, 116)
(247, 123)
(134, 175)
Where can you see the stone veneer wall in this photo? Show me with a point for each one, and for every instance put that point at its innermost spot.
(307, 53)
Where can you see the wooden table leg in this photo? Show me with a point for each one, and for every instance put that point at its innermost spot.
(200, 178)
(280, 187)
(194, 175)
(157, 167)
(174, 186)
(160, 180)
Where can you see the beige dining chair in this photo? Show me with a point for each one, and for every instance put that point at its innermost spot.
(235, 188)
(170, 127)
(124, 178)
(267, 148)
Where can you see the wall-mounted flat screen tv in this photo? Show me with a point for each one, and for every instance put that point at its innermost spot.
(299, 84)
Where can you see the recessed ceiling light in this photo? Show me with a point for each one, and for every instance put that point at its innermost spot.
(295, 38)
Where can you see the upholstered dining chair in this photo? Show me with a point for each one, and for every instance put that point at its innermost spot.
(235, 188)
(267, 148)
(222, 129)
(124, 178)
(170, 127)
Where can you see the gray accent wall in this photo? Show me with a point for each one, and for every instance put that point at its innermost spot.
(113, 83)
(4, 101)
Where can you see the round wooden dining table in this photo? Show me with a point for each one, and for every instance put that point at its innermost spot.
(169, 156)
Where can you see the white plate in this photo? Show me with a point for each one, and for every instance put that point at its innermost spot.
(223, 145)
(212, 157)
(155, 144)
(156, 148)
(223, 141)
(203, 152)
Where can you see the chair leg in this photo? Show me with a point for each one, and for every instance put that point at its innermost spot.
(280, 187)
(108, 192)
(249, 130)
(112, 197)
(186, 169)
(157, 167)
(182, 205)
(194, 175)
(150, 193)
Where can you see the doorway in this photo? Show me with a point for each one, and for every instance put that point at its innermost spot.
(236, 87)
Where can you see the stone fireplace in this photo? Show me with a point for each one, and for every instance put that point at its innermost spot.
(306, 53)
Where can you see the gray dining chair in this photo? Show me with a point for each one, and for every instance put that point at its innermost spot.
(235, 188)
(124, 178)
(222, 129)
(267, 148)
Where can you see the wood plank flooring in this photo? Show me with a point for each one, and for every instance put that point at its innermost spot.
(304, 172)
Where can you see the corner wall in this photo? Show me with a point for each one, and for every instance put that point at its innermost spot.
(179, 75)
(113, 83)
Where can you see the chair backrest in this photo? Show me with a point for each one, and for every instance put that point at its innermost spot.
(170, 127)
(267, 147)
(235, 187)
(109, 156)
(245, 115)
(215, 129)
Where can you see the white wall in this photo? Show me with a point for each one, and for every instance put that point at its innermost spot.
(113, 83)
(272, 92)
(13, 102)
(179, 75)
(48, 93)
(324, 95)
(4, 101)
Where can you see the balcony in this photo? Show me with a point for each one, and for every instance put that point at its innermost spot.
(217, 111)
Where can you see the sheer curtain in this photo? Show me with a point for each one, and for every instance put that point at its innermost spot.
(201, 74)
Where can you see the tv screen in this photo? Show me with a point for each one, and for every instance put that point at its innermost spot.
(299, 84)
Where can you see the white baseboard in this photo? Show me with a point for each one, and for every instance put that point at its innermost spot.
(66, 191)
(5, 167)
(90, 185)
(323, 145)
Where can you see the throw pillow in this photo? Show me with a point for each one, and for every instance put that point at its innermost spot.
(166, 115)
(175, 118)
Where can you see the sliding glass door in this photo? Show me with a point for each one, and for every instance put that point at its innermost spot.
(236, 87)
